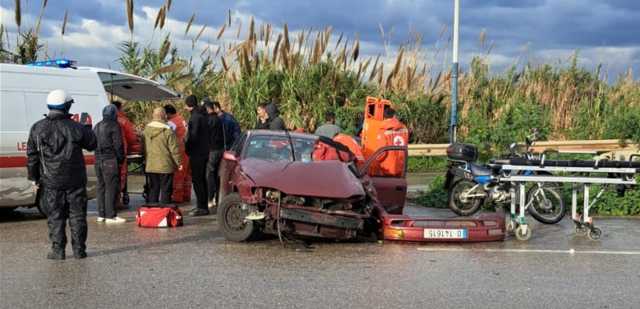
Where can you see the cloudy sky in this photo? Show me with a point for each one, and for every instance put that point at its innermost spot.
(518, 31)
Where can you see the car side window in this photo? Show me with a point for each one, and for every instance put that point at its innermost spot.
(277, 148)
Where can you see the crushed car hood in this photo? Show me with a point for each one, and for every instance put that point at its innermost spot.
(325, 179)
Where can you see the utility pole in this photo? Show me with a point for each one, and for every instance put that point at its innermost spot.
(454, 74)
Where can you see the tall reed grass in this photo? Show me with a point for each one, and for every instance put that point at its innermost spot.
(309, 72)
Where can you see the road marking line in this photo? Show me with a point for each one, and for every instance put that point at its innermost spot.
(569, 251)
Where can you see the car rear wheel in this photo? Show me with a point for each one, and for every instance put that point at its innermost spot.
(231, 219)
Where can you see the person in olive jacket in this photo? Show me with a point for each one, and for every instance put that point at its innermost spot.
(162, 157)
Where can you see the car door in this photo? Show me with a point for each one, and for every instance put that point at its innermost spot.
(228, 166)
(391, 190)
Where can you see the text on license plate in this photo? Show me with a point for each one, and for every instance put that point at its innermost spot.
(445, 233)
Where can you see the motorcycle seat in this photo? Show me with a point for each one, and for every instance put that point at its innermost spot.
(480, 170)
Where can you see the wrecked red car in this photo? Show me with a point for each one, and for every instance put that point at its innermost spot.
(298, 185)
(268, 186)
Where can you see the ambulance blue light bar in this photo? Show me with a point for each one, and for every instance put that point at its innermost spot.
(57, 63)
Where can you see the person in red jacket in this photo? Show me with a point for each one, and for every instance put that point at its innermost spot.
(131, 145)
(181, 178)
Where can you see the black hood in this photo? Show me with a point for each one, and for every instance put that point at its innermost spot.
(110, 112)
(272, 111)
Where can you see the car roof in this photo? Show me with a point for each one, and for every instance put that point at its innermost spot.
(282, 134)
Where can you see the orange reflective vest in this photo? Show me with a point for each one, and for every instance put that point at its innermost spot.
(353, 146)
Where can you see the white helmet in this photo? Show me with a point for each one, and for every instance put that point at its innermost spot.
(59, 99)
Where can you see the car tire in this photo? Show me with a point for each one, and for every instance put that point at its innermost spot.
(231, 220)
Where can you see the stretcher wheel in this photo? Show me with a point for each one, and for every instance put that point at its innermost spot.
(523, 233)
(595, 233)
(511, 226)
(581, 230)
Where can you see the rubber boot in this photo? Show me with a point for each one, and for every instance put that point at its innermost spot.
(56, 255)
(79, 254)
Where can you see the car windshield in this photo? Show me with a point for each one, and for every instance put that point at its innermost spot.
(277, 148)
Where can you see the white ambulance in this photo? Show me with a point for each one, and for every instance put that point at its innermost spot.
(23, 94)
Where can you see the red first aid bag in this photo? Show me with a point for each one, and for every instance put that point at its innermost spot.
(159, 216)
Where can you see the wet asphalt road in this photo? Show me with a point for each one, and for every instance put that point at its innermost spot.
(194, 267)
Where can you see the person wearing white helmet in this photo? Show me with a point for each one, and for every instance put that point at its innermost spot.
(56, 166)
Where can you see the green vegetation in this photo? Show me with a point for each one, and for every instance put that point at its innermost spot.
(426, 164)
(435, 196)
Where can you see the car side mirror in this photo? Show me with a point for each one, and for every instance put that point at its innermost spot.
(230, 156)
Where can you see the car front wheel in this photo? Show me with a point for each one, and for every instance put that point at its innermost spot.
(231, 219)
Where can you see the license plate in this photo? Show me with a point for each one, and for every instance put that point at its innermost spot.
(445, 233)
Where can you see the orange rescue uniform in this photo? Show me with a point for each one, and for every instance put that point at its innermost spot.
(131, 143)
(181, 179)
(353, 146)
(378, 132)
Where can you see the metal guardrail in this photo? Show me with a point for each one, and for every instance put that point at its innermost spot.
(578, 146)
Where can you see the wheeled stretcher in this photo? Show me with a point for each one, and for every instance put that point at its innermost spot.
(580, 174)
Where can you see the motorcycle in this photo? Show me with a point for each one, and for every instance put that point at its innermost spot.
(471, 185)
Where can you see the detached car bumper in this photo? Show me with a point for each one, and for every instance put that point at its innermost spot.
(486, 227)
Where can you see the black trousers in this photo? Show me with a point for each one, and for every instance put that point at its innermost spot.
(108, 174)
(213, 169)
(160, 188)
(61, 205)
(199, 180)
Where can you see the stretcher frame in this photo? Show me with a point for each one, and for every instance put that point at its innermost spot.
(584, 223)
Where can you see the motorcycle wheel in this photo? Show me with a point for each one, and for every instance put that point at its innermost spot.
(548, 208)
(468, 207)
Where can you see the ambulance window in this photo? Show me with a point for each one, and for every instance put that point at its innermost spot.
(13, 112)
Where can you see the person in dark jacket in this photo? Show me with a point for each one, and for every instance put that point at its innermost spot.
(269, 117)
(197, 148)
(216, 148)
(329, 129)
(109, 156)
(56, 166)
(230, 126)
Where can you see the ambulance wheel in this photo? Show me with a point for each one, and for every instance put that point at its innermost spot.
(5, 211)
(523, 233)
(595, 233)
(231, 219)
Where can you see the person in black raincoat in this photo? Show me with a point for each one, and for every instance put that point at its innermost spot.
(109, 156)
(56, 166)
